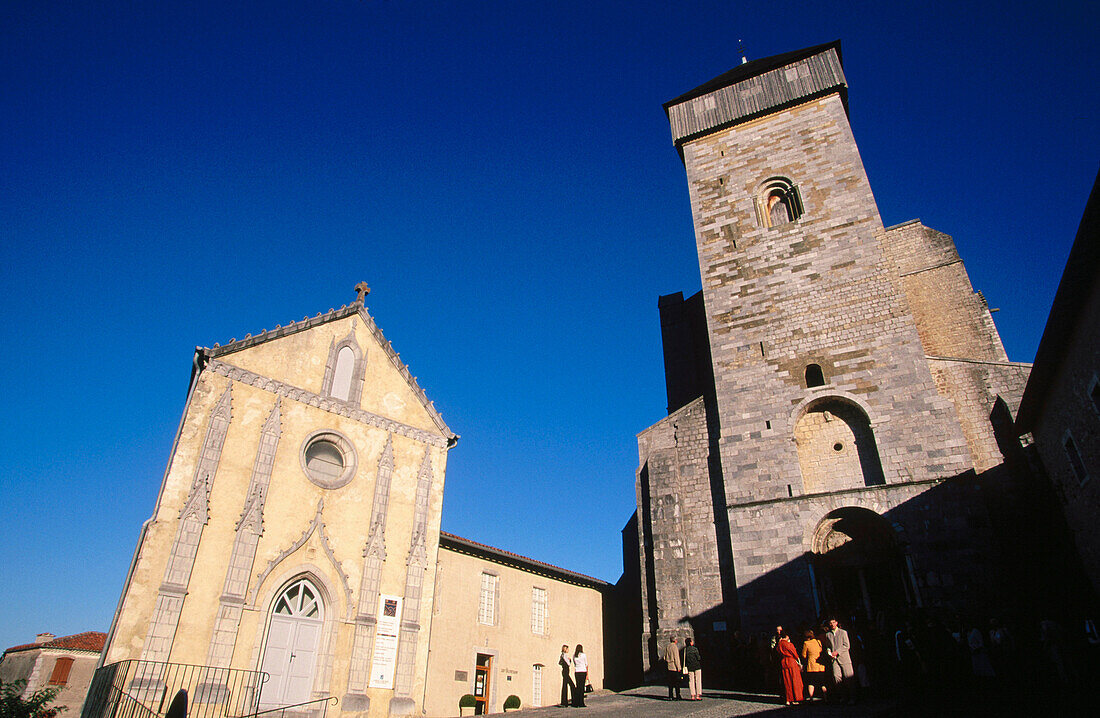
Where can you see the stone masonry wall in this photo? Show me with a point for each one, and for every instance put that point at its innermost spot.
(677, 536)
(1071, 406)
(821, 289)
(956, 327)
(940, 526)
(817, 290)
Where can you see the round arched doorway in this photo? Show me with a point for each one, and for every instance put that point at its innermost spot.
(290, 652)
(859, 566)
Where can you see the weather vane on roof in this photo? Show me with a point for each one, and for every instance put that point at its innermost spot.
(741, 51)
(362, 290)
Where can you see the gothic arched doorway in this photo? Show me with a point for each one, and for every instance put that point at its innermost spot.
(290, 653)
(858, 564)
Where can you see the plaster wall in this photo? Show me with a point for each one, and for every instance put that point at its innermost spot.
(575, 615)
(35, 666)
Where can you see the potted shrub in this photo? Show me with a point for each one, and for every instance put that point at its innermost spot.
(466, 701)
(511, 703)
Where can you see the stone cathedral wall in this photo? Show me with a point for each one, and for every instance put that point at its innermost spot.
(678, 542)
(968, 360)
(817, 290)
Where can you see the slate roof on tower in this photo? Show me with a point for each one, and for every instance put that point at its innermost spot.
(755, 89)
(752, 68)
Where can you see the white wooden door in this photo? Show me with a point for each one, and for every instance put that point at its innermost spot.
(290, 655)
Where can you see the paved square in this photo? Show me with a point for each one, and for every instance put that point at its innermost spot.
(651, 701)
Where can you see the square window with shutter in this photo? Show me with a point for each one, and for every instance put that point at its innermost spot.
(60, 675)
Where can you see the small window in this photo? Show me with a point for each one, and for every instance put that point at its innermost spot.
(487, 603)
(60, 675)
(538, 611)
(814, 376)
(341, 378)
(323, 458)
(1075, 461)
(299, 600)
(328, 459)
(779, 202)
(536, 685)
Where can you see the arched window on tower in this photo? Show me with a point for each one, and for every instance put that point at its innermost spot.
(814, 377)
(779, 202)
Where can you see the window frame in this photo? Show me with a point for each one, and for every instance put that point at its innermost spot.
(1073, 458)
(536, 685)
(1093, 395)
(488, 595)
(540, 598)
(59, 677)
(343, 445)
(790, 195)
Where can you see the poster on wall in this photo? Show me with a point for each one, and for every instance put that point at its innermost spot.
(384, 659)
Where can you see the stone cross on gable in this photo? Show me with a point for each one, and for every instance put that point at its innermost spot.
(362, 290)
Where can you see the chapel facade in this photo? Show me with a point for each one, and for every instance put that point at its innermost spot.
(830, 389)
(296, 529)
(294, 556)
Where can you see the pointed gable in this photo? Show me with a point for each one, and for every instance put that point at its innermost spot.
(308, 361)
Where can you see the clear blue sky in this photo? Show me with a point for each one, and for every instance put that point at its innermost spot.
(501, 173)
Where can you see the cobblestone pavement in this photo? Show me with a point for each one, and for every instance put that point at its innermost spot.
(650, 701)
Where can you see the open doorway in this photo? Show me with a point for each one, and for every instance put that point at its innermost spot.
(859, 565)
(482, 675)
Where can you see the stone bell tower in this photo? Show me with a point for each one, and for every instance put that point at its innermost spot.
(821, 429)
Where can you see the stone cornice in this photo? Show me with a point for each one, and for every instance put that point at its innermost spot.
(325, 403)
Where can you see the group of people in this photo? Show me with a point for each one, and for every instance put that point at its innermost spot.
(821, 665)
(691, 666)
(573, 688)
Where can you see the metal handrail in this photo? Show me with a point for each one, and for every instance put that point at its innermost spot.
(326, 699)
(215, 691)
(135, 701)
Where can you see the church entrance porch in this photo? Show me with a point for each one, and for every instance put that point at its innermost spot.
(290, 655)
(858, 565)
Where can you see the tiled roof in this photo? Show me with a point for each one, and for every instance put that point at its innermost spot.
(457, 542)
(88, 641)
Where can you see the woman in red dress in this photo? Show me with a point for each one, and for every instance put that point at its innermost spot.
(791, 669)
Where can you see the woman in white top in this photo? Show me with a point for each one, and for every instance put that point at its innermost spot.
(580, 670)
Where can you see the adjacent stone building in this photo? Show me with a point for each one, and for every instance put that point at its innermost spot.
(829, 389)
(1060, 410)
(65, 664)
